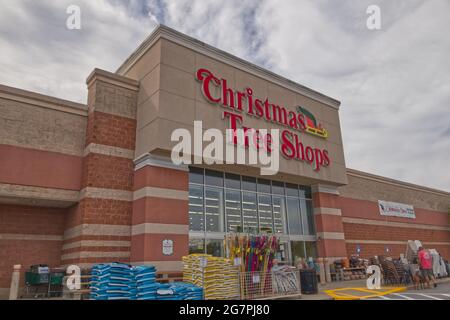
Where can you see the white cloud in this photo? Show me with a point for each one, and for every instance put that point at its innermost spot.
(394, 83)
(39, 53)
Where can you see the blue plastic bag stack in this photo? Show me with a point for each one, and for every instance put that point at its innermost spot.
(146, 285)
(179, 291)
(118, 281)
(113, 281)
(193, 292)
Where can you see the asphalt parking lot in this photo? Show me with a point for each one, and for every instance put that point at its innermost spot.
(442, 292)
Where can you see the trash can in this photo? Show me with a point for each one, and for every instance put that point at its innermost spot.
(308, 281)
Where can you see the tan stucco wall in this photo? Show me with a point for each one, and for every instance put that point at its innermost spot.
(371, 188)
(171, 98)
(42, 128)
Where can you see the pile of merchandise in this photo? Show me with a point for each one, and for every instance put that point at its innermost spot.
(146, 285)
(118, 281)
(349, 269)
(114, 281)
(357, 262)
(179, 291)
(217, 276)
(285, 280)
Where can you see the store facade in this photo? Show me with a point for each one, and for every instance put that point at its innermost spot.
(83, 184)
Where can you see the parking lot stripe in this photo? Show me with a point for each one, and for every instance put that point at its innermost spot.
(403, 296)
(428, 296)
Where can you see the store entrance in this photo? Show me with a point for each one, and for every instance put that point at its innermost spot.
(289, 253)
(221, 204)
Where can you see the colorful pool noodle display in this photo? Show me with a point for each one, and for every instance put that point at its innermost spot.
(254, 254)
(217, 276)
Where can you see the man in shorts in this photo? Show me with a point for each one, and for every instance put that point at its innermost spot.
(426, 266)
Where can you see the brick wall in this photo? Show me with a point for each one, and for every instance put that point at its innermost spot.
(373, 232)
(366, 227)
(108, 172)
(98, 228)
(160, 212)
(28, 236)
(105, 128)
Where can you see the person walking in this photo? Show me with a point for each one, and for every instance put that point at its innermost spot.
(426, 265)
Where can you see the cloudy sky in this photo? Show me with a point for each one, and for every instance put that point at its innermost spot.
(394, 83)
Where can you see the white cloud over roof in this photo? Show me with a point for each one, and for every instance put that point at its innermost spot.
(394, 83)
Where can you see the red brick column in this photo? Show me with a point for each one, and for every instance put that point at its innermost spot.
(160, 212)
(98, 228)
(328, 219)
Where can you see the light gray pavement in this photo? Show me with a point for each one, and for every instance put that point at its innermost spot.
(441, 291)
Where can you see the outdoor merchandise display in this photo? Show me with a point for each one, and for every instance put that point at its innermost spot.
(285, 279)
(179, 291)
(217, 276)
(254, 255)
(146, 285)
(114, 281)
(439, 269)
(252, 252)
(118, 281)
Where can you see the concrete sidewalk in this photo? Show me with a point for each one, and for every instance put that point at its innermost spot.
(333, 285)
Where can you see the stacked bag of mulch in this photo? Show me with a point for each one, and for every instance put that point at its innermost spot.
(217, 276)
(113, 281)
(118, 281)
(179, 291)
(146, 285)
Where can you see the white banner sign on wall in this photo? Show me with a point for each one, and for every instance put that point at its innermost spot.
(396, 209)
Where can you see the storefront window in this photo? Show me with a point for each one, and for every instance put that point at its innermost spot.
(214, 247)
(305, 192)
(249, 212)
(265, 213)
(297, 250)
(282, 254)
(304, 218)
(278, 188)
(213, 178)
(196, 210)
(293, 209)
(233, 210)
(196, 175)
(232, 181)
(279, 214)
(263, 186)
(310, 217)
(214, 209)
(248, 184)
(311, 249)
(292, 190)
(223, 202)
(196, 246)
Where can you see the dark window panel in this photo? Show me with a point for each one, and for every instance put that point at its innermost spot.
(292, 190)
(278, 187)
(248, 183)
(232, 181)
(195, 175)
(213, 178)
(263, 185)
